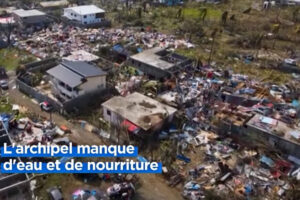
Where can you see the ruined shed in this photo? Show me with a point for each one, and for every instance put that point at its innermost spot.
(12, 186)
(277, 133)
(140, 110)
(159, 62)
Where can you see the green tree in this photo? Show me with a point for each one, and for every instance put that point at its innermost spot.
(224, 17)
(179, 13)
(139, 12)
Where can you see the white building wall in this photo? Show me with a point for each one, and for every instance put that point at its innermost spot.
(94, 83)
(60, 90)
(71, 15)
(112, 117)
(116, 119)
(83, 19)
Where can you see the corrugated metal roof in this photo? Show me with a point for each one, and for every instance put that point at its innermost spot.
(65, 75)
(86, 10)
(46, 4)
(83, 68)
(28, 13)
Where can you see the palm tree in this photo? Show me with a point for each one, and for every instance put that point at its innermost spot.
(203, 13)
(213, 35)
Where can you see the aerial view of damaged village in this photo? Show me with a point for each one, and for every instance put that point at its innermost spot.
(208, 88)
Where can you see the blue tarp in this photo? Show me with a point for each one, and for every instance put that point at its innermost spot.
(79, 194)
(141, 159)
(183, 158)
(139, 50)
(5, 118)
(247, 91)
(295, 104)
(173, 2)
(65, 159)
(248, 189)
(192, 186)
(118, 48)
(268, 161)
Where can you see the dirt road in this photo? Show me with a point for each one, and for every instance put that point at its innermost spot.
(153, 186)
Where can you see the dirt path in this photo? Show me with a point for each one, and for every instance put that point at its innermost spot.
(153, 186)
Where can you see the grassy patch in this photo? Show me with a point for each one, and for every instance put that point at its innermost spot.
(48, 182)
(234, 37)
(266, 75)
(11, 58)
(195, 13)
(193, 53)
(5, 106)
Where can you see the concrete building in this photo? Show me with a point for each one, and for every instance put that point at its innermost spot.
(159, 62)
(31, 18)
(137, 110)
(71, 79)
(277, 133)
(88, 14)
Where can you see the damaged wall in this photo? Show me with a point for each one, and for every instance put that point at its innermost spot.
(275, 141)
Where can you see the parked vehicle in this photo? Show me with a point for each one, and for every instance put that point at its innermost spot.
(46, 106)
(121, 191)
(290, 61)
(55, 193)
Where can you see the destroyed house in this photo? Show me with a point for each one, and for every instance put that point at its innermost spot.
(159, 62)
(277, 133)
(137, 112)
(31, 18)
(12, 186)
(87, 14)
(71, 79)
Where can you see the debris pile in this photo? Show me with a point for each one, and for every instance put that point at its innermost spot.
(212, 155)
(26, 131)
(61, 41)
